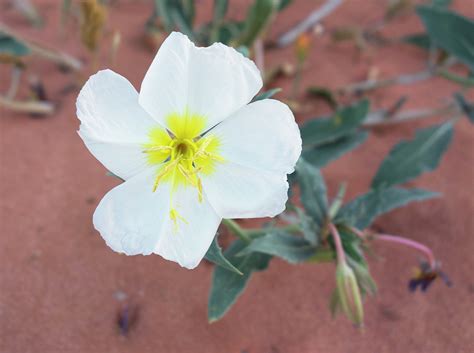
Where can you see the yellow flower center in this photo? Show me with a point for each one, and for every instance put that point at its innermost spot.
(182, 155)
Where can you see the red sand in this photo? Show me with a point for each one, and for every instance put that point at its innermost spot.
(58, 280)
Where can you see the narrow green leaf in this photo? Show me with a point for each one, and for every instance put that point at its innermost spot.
(312, 191)
(259, 16)
(344, 122)
(215, 255)
(421, 40)
(450, 31)
(291, 248)
(323, 93)
(363, 210)
(466, 107)
(283, 4)
(409, 159)
(308, 227)
(267, 94)
(163, 9)
(220, 9)
(441, 3)
(228, 286)
(188, 11)
(321, 155)
(9, 45)
(181, 22)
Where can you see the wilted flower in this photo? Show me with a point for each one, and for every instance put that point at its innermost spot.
(190, 149)
(425, 275)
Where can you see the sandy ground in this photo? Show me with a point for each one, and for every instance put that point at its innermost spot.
(59, 281)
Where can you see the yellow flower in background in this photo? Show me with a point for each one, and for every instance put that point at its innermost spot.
(190, 147)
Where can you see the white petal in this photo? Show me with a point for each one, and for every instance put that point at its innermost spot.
(262, 135)
(235, 191)
(113, 125)
(135, 220)
(213, 82)
(260, 145)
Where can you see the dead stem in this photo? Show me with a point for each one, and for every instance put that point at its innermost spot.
(27, 106)
(50, 54)
(314, 17)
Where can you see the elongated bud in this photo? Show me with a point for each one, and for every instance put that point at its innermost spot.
(302, 46)
(348, 294)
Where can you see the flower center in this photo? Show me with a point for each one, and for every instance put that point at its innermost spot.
(182, 156)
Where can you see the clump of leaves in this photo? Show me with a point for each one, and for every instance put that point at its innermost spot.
(307, 236)
(179, 15)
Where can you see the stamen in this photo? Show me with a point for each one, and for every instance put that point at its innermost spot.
(175, 216)
(157, 149)
(165, 171)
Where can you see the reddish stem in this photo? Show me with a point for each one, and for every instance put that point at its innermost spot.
(341, 257)
(404, 241)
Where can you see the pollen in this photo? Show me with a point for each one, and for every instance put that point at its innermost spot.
(182, 155)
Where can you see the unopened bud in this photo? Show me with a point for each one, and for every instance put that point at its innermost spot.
(348, 294)
(302, 46)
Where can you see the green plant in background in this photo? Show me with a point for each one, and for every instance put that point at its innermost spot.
(179, 15)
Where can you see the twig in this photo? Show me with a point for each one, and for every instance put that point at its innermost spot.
(313, 18)
(27, 106)
(369, 85)
(382, 117)
(16, 76)
(259, 55)
(404, 79)
(53, 55)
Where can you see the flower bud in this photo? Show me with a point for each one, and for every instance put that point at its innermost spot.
(302, 46)
(348, 294)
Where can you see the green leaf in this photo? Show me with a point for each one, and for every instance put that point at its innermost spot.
(308, 227)
(228, 286)
(450, 31)
(259, 17)
(220, 9)
(441, 3)
(320, 156)
(421, 40)
(9, 45)
(312, 191)
(408, 159)
(267, 94)
(363, 210)
(176, 13)
(466, 107)
(344, 122)
(163, 9)
(214, 254)
(182, 23)
(323, 93)
(293, 249)
(283, 4)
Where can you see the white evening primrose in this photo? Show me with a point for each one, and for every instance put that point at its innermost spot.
(190, 147)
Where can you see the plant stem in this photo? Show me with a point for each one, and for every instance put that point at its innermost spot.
(256, 232)
(53, 55)
(404, 241)
(237, 230)
(464, 81)
(410, 243)
(37, 107)
(341, 256)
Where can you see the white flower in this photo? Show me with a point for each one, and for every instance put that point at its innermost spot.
(190, 149)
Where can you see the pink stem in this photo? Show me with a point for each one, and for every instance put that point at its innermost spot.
(411, 243)
(404, 241)
(341, 256)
